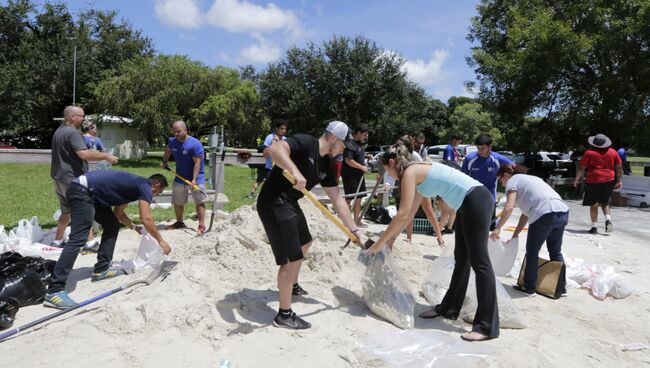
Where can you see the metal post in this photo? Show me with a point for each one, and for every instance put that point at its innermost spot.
(214, 146)
(74, 75)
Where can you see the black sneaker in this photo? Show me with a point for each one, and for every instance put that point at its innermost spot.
(298, 290)
(593, 230)
(608, 226)
(292, 322)
(525, 291)
(447, 230)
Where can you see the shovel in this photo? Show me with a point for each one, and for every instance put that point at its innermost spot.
(363, 211)
(162, 271)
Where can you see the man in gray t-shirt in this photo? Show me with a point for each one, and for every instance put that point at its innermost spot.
(69, 156)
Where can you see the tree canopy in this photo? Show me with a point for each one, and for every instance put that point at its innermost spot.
(580, 66)
(36, 63)
(349, 79)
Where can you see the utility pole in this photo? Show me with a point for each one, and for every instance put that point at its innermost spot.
(74, 74)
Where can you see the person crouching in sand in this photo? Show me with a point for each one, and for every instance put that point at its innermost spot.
(474, 205)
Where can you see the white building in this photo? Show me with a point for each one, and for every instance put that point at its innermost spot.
(119, 137)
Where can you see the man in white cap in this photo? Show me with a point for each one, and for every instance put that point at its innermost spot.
(604, 174)
(308, 159)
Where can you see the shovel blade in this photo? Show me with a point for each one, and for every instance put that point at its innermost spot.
(161, 271)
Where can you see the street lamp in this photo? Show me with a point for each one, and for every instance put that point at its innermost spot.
(74, 74)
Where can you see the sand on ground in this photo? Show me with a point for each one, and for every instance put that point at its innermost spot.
(219, 301)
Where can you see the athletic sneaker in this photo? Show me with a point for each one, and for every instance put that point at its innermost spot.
(91, 246)
(593, 230)
(200, 229)
(292, 322)
(525, 291)
(59, 300)
(608, 226)
(447, 230)
(298, 290)
(176, 225)
(108, 274)
(58, 243)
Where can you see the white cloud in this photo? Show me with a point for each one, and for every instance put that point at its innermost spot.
(262, 52)
(179, 13)
(246, 17)
(428, 73)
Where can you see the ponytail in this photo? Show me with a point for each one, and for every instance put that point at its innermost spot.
(402, 156)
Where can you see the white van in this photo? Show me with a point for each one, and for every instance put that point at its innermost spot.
(435, 152)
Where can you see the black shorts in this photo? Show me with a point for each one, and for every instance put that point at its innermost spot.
(598, 193)
(350, 186)
(261, 174)
(286, 226)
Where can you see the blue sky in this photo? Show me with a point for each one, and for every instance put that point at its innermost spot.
(430, 35)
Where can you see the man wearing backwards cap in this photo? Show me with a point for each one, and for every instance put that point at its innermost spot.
(308, 159)
(603, 176)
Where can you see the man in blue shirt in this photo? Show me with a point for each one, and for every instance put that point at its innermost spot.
(484, 164)
(91, 197)
(450, 157)
(622, 153)
(188, 154)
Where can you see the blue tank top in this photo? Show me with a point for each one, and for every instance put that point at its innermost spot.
(448, 183)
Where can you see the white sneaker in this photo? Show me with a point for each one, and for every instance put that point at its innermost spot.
(91, 245)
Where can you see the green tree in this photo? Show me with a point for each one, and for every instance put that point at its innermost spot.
(349, 79)
(469, 120)
(157, 91)
(583, 66)
(36, 63)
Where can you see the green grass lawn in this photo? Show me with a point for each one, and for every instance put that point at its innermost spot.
(26, 190)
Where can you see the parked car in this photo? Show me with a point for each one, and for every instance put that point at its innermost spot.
(546, 164)
(435, 152)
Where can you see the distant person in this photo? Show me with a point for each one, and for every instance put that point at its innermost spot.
(279, 134)
(474, 205)
(483, 166)
(544, 209)
(420, 146)
(450, 157)
(308, 159)
(354, 168)
(625, 164)
(92, 196)
(604, 174)
(69, 160)
(90, 137)
(188, 154)
(426, 204)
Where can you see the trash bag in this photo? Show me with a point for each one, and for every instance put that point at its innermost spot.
(8, 310)
(606, 281)
(21, 284)
(502, 255)
(378, 215)
(509, 315)
(385, 291)
(29, 230)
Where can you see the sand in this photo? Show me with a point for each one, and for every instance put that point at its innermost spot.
(219, 302)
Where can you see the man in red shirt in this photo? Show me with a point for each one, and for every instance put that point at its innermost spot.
(604, 174)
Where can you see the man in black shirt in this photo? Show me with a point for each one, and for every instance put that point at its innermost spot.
(308, 159)
(354, 167)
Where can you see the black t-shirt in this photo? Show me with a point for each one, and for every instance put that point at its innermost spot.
(314, 167)
(358, 155)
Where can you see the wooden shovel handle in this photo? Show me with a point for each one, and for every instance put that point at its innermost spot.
(322, 208)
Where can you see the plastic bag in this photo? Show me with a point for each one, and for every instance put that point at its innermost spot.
(509, 315)
(37, 250)
(607, 282)
(149, 254)
(418, 348)
(29, 230)
(385, 291)
(4, 240)
(502, 255)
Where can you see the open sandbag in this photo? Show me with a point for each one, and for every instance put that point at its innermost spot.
(385, 291)
(503, 255)
(509, 315)
(436, 283)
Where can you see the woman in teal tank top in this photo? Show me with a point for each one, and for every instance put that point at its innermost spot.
(474, 204)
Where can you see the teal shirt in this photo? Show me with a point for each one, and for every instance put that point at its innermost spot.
(448, 183)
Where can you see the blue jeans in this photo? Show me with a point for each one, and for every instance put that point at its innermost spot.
(83, 211)
(549, 228)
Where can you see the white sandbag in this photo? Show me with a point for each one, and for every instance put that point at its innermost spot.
(622, 288)
(27, 249)
(606, 281)
(149, 253)
(436, 283)
(509, 315)
(502, 255)
(29, 230)
(385, 291)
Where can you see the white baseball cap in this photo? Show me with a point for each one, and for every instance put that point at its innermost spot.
(341, 130)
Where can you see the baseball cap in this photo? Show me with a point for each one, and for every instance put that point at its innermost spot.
(341, 130)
